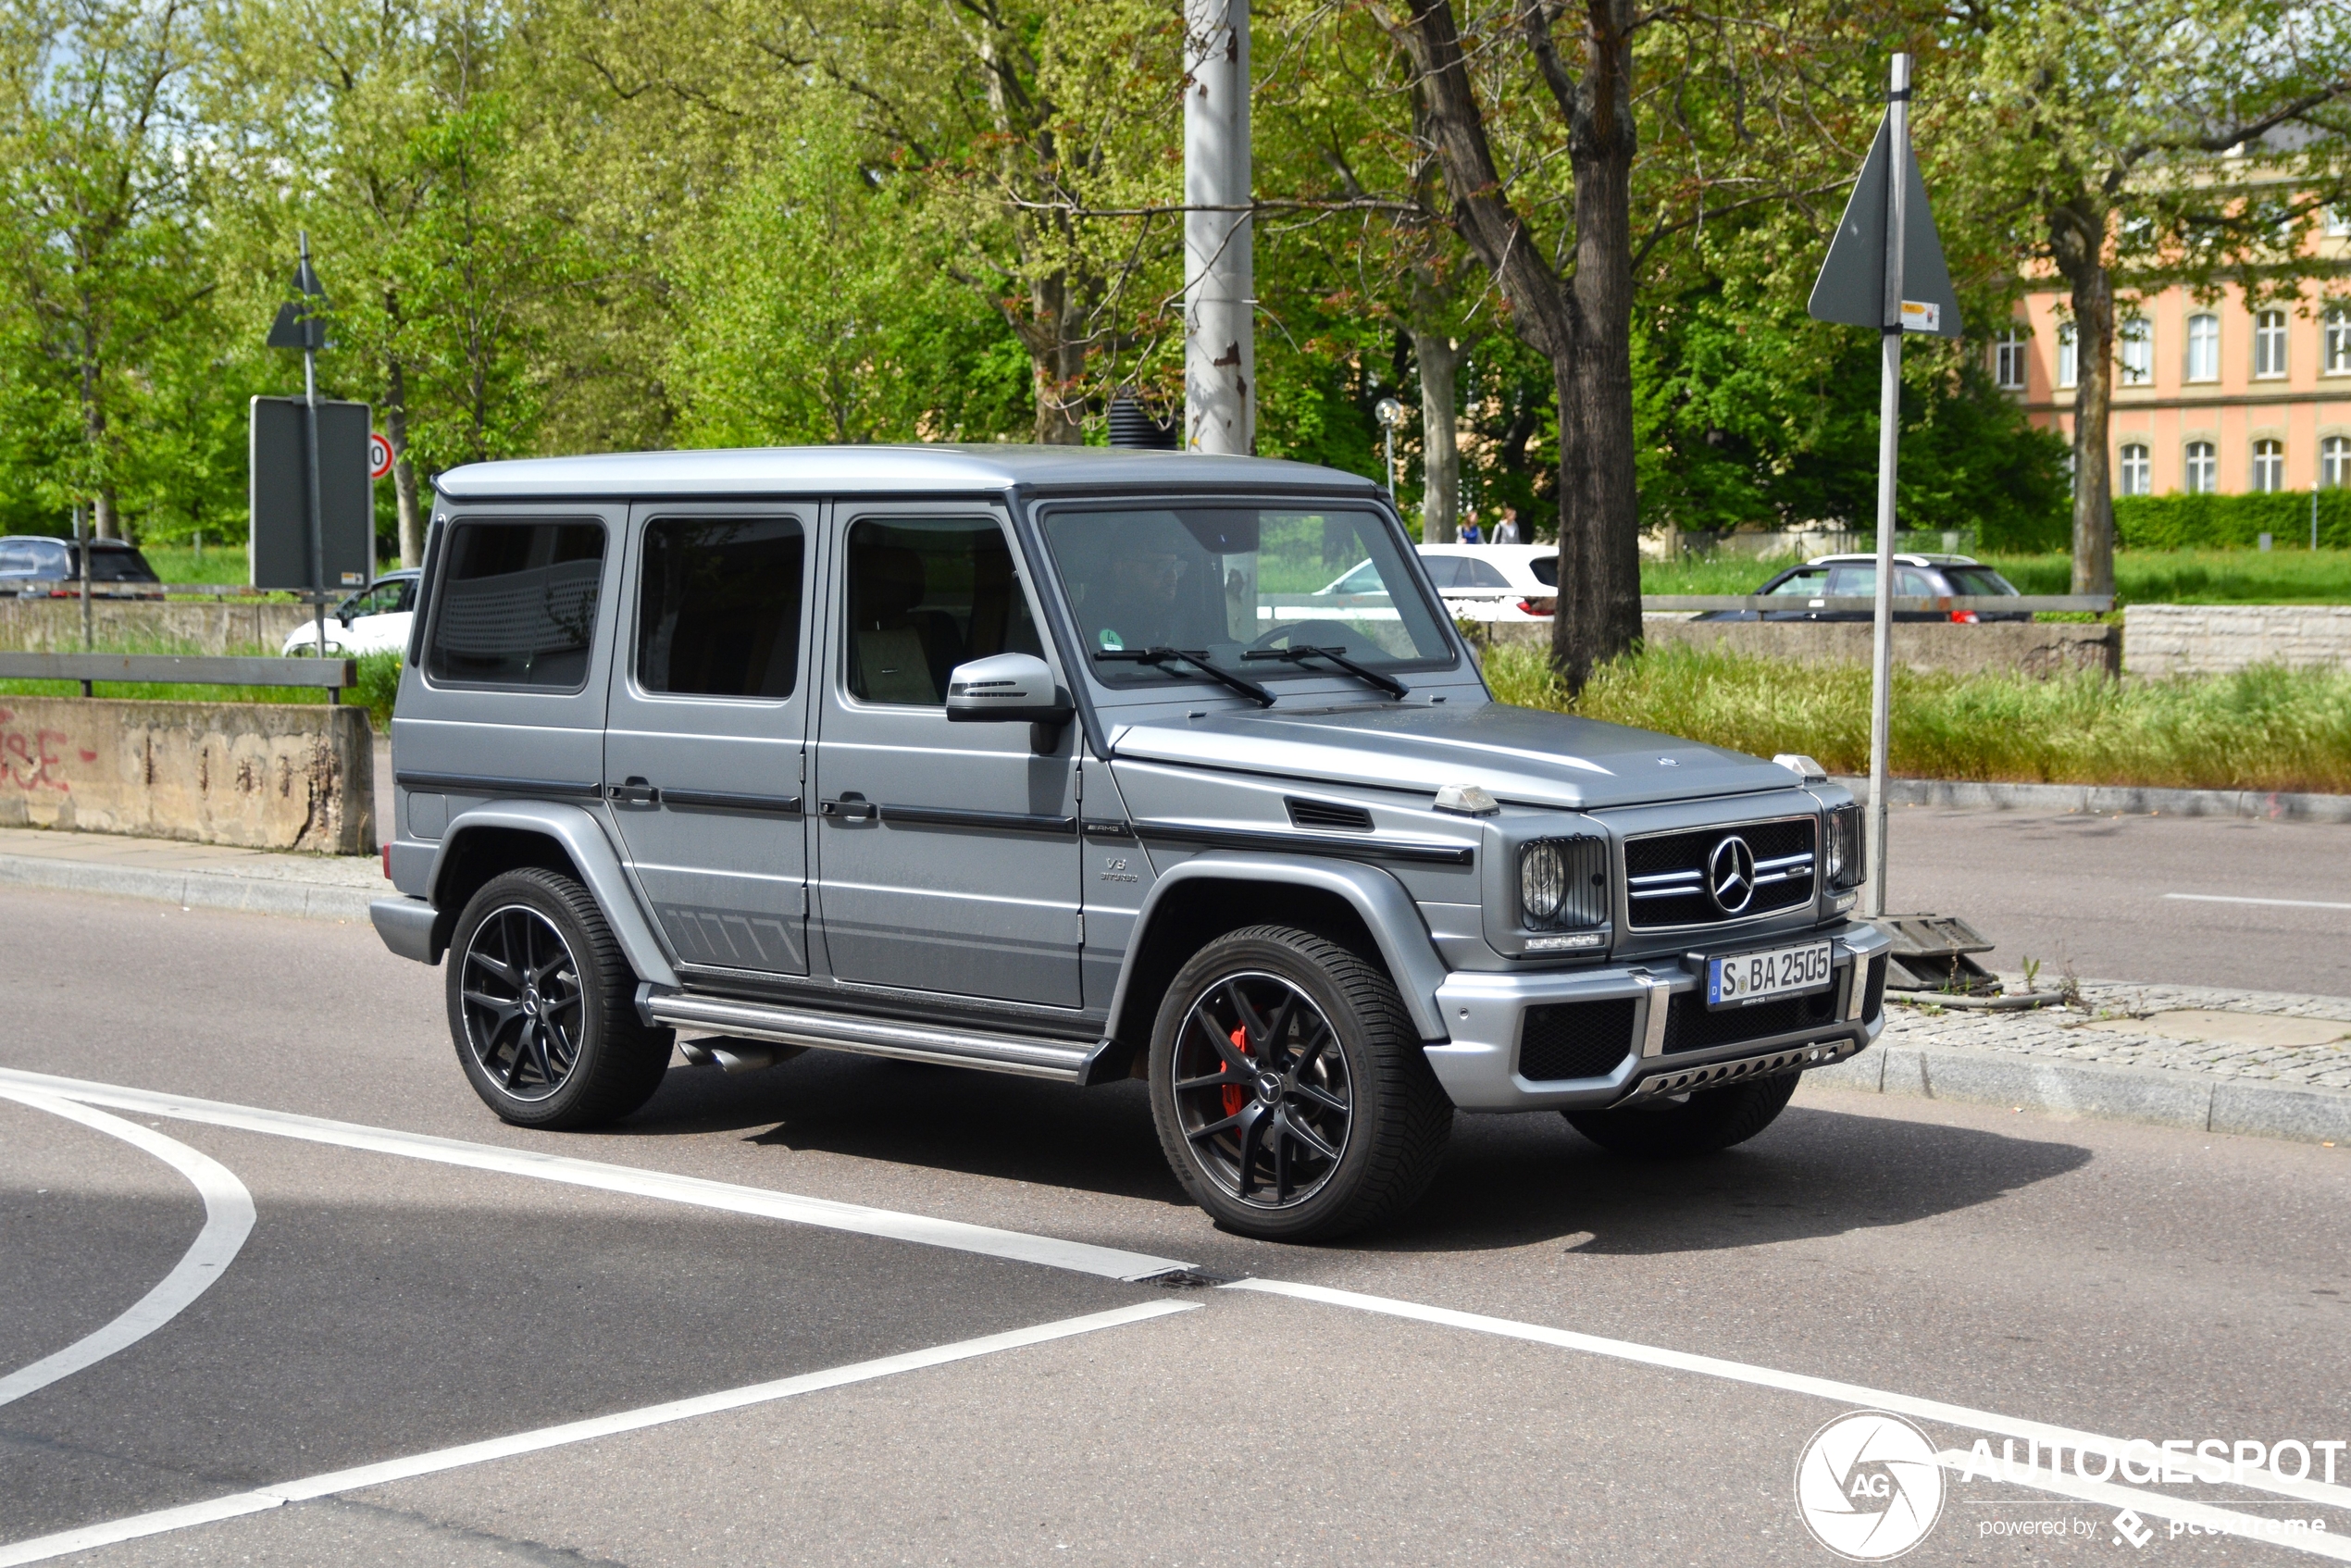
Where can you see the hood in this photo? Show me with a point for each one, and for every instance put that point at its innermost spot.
(1519, 754)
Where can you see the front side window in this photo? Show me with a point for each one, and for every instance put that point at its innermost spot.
(718, 613)
(2008, 359)
(2203, 468)
(2135, 346)
(517, 604)
(2204, 347)
(1810, 583)
(2334, 462)
(925, 594)
(2338, 340)
(2269, 343)
(2138, 470)
(2268, 466)
(1227, 580)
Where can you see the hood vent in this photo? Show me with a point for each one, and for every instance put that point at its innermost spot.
(1326, 813)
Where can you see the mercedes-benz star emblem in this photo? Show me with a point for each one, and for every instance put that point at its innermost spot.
(1730, 874)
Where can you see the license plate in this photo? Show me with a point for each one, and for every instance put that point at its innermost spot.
(1758, 976)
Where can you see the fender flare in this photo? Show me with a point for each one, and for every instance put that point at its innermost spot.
(1387, 910)
(582, 838)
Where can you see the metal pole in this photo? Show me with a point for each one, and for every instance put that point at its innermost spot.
(314, 497)
(81, 549)
(1219, 353)
(1889, 441)
(1392, 479)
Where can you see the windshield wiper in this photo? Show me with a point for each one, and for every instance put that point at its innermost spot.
(1159, 657)
(1387, 683)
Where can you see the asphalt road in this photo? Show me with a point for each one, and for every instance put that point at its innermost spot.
(389, 1303)
(2105, 894)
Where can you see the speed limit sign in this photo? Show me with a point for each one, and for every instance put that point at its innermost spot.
(379, 457)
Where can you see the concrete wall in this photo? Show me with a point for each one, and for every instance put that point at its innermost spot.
(54, 625)
(2219, 639)
(2035, 647)
(276, 775)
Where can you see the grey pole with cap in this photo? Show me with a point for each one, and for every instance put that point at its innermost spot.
(1219, 353)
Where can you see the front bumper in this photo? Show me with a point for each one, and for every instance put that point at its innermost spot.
(1487, 1012)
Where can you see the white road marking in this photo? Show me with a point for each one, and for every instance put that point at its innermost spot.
(2106, 1494)
(1852, 1394)
(42, 1547)
(1079, 1256)
(227, 1220)
(2280, 904)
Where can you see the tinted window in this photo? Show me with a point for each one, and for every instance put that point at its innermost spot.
(1861, 582)
(925, 595)
(718, 613)
(1808, 583)
(1981, 580)
(116, 566)
(1224, 580)
(1479, 574)
(517, 603)
(1546, 569)
(1445, 571)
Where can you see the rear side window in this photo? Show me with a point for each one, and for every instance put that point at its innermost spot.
(1479, 574)
(517, 604)
(119, 565)
(1982, 581)
(718, 613)
(1444, 572)
(1546, 569)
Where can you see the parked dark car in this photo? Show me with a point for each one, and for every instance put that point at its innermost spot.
(34, 567)
(1855, 577)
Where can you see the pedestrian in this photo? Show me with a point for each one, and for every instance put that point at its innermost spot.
(1469, 528)
(1506, 531)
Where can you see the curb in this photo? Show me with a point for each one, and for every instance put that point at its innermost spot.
(206, 890)
(2128, 800)
(2155, 1096)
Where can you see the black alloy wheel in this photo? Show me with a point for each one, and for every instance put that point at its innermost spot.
(1262, 1090)
(522, 1002)
(1290, 1088)
(543, 1006)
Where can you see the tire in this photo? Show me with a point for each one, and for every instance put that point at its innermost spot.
(1703, 1123)
(543, 1006)
(1357, 1123)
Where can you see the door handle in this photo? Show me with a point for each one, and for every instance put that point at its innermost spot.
(850, 807)
(632, 791)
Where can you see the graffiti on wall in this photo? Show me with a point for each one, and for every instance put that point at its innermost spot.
(34, 759)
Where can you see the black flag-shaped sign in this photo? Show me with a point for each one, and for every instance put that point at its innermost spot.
(300, 323)
(1851, 288)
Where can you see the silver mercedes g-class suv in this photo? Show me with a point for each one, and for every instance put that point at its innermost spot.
(1085, 765)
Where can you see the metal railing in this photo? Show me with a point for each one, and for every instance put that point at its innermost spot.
(1797, 603)
(172, 669)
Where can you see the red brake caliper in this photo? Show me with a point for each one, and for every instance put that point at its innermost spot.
(1235, 1095)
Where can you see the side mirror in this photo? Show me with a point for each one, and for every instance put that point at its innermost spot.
(1008, 688)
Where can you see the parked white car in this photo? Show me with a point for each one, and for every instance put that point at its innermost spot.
(373, 620)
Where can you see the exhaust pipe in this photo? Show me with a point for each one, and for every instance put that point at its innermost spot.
(733, 1055)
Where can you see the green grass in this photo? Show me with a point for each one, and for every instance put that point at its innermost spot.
(2264, 728)
(2141, 576)
(178, 563)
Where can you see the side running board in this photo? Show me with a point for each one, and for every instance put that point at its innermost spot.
(879, 1037)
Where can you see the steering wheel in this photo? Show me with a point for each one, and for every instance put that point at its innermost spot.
(1317, 634)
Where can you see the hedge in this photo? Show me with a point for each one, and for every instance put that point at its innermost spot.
(2231, 522)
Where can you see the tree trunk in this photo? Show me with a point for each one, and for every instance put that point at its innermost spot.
(106, 514)
(2077, 239)
(1440, 446)
(403, 473)
(1060, 405)
(1582, 327)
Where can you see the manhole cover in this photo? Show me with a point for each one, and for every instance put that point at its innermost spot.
(2246, 1028)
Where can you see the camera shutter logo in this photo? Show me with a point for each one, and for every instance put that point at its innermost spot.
(1867, 1487)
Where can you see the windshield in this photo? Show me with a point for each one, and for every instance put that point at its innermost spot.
(1230, 579)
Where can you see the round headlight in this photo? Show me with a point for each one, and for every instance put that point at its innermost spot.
(1542, 880)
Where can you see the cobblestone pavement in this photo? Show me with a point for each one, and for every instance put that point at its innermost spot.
(2113, 1026)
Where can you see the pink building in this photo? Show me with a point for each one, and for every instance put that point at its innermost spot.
(2207, 397)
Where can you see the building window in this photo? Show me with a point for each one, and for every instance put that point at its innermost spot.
(2338, 222)
(2338, 335)
(2008, 359)
(2136, 341)
(2335, 462)
(2070, 356)
(2269, 467)
(2137, 472)
(2204, 347)
(2204, 469)
(2269, 343)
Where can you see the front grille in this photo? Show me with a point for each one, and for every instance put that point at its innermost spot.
(1690, 1027)
(1328, 814)
(1665, 874)
(1576, 1039)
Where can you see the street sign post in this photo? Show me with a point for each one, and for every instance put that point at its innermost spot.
(278, 494)
(378, 456)
(1884, 269)
(301, 324)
